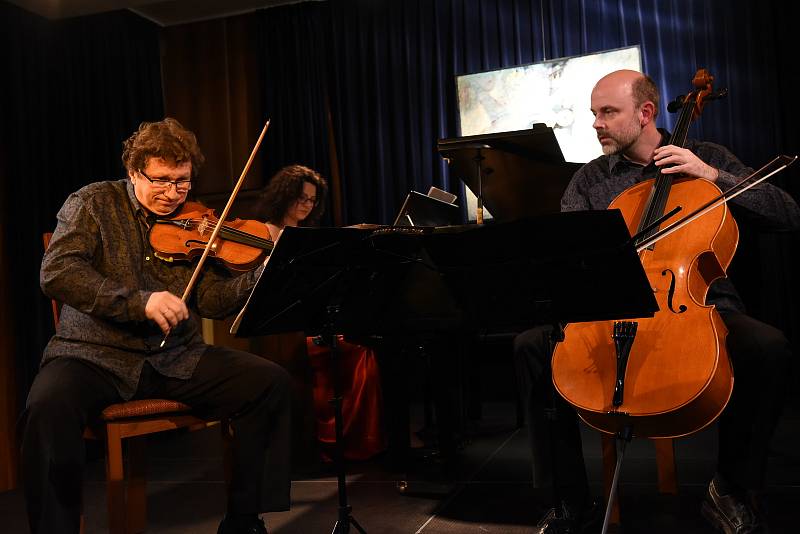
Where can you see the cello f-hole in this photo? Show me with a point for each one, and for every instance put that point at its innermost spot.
(671, 294)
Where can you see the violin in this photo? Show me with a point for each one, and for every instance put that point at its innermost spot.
(211, 241)
(668, 375)
(241, 244)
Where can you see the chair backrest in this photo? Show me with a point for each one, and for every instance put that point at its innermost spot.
(55, 304)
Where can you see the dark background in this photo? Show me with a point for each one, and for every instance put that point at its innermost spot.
(360, 90)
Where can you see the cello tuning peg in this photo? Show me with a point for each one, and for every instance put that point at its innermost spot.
(722, 93)
(676, 104)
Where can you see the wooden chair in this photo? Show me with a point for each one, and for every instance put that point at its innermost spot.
(665, 462)
(134, 420)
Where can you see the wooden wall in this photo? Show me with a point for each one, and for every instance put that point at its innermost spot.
(212, 84)
(8, 387)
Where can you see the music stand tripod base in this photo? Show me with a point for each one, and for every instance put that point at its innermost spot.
(345, 516)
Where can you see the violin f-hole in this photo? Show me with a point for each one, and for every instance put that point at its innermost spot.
(202, 244)
(188, 242)
(671, 294)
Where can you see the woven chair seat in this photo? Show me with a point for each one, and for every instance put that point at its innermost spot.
(143, 408)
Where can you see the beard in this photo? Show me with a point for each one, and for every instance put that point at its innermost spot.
(621, 141)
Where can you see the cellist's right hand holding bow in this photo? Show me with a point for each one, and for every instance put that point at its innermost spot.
(683, 161)
(166, 310)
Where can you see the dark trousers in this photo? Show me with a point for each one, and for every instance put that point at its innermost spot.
(555, 441)
(761, 361)
(67, 393)
(442, 367)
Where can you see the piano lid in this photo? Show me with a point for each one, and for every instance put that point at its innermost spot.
(521, 173)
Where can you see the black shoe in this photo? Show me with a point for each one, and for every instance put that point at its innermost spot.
(731, 514)
(242, 525)
(571, 520)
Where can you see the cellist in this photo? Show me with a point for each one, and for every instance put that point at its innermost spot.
(119, 301)
(625, 105)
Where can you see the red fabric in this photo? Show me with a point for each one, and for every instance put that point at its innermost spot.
(361, 404)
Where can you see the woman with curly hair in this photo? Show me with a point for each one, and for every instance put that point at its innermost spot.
(295, 196)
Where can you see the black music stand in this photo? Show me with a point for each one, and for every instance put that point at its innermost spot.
(362, 271)
(514, 174)
(559, 268)
(552, 269)
(330, 281)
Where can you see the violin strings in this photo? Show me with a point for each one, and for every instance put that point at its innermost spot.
(265, 243)
(253, 239)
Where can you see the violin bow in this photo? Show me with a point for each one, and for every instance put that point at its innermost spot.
(220, 222)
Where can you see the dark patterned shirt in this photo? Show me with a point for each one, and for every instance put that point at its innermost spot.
(101, 266)
(598, 182)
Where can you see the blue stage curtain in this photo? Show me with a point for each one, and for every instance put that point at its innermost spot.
(295, 40)
(394, 65)
(394, 88)
(77, 88)
(390, 67)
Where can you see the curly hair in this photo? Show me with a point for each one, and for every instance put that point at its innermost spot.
(166, 139)
(285, 188)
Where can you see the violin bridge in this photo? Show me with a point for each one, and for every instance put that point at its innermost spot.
(623, 336)
(202, 226)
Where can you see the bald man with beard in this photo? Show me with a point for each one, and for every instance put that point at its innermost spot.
(625, 105)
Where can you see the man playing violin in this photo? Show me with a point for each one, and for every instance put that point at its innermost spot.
(625, 104)
(119, 301)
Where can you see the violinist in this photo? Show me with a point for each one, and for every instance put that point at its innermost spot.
(625, 104)
(119, 301)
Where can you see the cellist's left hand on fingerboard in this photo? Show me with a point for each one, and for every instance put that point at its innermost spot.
(683, 161)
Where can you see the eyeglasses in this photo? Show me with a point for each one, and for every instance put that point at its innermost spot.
(181, 186)
(303, 199)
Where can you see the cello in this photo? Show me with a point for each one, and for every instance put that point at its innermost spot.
(669, 375)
